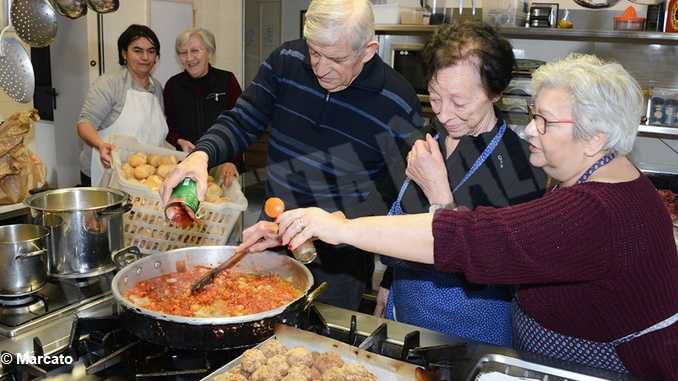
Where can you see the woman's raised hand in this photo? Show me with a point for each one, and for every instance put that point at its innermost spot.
(426, 167)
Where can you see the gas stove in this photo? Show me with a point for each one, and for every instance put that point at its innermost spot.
(57, 298)
(81, 323)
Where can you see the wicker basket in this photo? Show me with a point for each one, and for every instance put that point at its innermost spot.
(146, 226)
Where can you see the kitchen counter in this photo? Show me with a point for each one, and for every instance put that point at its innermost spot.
(54, 335)
(339, 318)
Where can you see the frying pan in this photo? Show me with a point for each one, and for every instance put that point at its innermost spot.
(204, 333)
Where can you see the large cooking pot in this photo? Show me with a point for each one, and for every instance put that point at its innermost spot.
(85, 227)
(205, 333)
(23, 259)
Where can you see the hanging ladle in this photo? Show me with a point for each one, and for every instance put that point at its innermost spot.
(72, 9)
(104, 6)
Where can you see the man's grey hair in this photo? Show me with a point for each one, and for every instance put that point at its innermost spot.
(328, 20)
(205, 35)
(605, 98)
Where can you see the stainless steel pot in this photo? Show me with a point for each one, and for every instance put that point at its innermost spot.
(203, 332)
(23, 259)
(85, 225)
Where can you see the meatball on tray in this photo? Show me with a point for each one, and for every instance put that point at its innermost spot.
(293, 354)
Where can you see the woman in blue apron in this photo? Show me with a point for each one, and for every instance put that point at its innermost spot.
(485, 164)
(594, 262)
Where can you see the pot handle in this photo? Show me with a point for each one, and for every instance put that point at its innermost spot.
(30, 254)
(115, 210)
(125, 256)
(313, 295)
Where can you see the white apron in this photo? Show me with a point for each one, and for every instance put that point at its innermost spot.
(141, 118)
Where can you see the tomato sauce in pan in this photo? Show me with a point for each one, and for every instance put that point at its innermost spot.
(231, 294)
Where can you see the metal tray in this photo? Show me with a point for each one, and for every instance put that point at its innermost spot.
(384, 368)
(521, 369)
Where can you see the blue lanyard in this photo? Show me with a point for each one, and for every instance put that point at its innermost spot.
(602, 161)
(397, 209)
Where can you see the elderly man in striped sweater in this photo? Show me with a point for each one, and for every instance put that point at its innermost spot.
(341, 122)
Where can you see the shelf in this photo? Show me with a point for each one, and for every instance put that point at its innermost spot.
(13, 210)
(640, 37)
(658, 130)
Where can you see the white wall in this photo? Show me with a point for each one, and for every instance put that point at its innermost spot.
(290, 15)
(168, 19)
(224, 19)
(70, 64)
(130, 12)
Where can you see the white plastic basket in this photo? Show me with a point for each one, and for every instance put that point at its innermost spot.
(146, 226)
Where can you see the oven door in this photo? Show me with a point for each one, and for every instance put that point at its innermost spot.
(405, 55)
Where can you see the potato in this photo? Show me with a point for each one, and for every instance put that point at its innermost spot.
(211, 198)
(143, 171)
(214, 189)
(154, 160)
(153, 182)
(137, 159)
(128, 171)
(167, 159)
(164, 169)
(213, 193)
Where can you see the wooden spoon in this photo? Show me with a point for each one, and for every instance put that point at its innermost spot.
(273, 208)
(209, 277)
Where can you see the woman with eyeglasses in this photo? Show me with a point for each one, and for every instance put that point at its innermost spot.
(195, 97)
(484, 164)
(127, 102)
(594, 262)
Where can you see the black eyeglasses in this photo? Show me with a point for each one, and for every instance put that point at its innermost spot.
(540, 120)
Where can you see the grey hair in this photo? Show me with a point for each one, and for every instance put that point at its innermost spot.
(328, 20)
(205, 35)
(605, 98)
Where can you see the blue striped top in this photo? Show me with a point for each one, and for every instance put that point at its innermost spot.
(325, 149)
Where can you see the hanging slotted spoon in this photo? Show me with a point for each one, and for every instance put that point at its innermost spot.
(34, 21)
(70, 8)
(104, 6)
(16, 71)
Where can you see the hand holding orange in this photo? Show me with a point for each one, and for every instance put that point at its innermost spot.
(273, 207)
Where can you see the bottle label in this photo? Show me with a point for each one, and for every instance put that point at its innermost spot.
(187, 192)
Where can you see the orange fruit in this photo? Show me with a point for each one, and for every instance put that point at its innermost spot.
(273, 207)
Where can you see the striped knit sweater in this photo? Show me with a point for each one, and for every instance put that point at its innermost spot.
(325, 149)
(595, 261)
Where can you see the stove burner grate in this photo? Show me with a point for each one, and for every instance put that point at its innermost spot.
(22, 305)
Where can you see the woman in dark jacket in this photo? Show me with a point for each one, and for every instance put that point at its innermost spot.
(485, 164)
(195, 97)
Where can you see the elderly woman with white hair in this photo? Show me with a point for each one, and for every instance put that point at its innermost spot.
(594, 260)
(195, 97)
